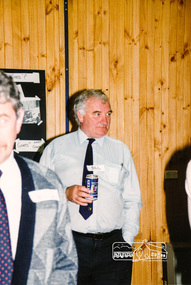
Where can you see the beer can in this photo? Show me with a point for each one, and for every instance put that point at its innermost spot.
(92, 184)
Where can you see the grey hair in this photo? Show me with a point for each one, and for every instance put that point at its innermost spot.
(9, 92)
(80, 101)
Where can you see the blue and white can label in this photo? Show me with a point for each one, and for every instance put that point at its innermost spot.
(92, 184)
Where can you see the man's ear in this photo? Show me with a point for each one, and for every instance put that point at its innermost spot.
(20, 117)
(80, 117)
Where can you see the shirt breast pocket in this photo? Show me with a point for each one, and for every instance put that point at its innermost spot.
(114, 174)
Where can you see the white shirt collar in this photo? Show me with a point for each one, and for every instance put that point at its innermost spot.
(83, 137)
(6, 164)
(11, 188)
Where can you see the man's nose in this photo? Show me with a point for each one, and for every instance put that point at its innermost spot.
(105, 119)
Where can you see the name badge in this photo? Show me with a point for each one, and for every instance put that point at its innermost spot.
(95, 167)
(44, 195)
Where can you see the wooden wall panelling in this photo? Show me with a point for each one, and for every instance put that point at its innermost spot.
(158, 175)
(180, 72)
(135, 89)
(138, 52)
(169, 189)
(105, 48)
(160, 214)
(157, 110)
(42, 45)
(120, 74)
(8, 34)
(61, 49)
(33, 32)
(142, 270)
(181, 122)
(135, 83)
(172, 126)
(94, 49)
(56, 66)
(52, 67)
(73, 45)
(113, 65)
(90, 48)
(143, 175)
(187, 74)
(161, 229)
(173, 75)
(161, 123)
(55, 55)
(2, 32)
(128, 63)
(82, 39)
(150, 117)
(25, 35)
(16, 42)
(57, 89)
(131, 62)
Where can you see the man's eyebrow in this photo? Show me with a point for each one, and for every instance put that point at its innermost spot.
(94, 112)
(4, 115)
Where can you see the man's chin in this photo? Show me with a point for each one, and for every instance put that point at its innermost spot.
(101, 134)
(2, 159)
(3, 154)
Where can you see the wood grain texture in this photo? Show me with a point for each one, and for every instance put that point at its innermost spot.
(139, 53)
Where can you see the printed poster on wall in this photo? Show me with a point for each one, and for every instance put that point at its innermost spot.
(31, 84)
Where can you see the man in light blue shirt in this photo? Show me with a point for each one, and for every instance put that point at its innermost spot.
(116, 212)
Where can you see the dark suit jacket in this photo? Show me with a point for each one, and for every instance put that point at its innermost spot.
(46, 252)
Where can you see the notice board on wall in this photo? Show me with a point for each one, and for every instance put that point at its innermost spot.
(31, 84)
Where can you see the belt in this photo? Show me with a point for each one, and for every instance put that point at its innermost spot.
(96, 236)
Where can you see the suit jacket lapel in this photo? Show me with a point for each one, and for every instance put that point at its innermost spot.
(26, 230)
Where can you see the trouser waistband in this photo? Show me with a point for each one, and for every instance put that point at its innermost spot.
(97, 236)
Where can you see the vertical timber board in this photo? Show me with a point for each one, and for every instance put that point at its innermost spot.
(61, 56)
(90, 48)
(120, 23)
(33, 33)
(2, 33)
(8, 34)
(73, 32)
(105, 47)
(51, 76)
(113, 66)
(17, 41)
(128, 63)
(25, 35)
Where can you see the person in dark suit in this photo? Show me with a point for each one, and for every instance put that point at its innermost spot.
(42, 246)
